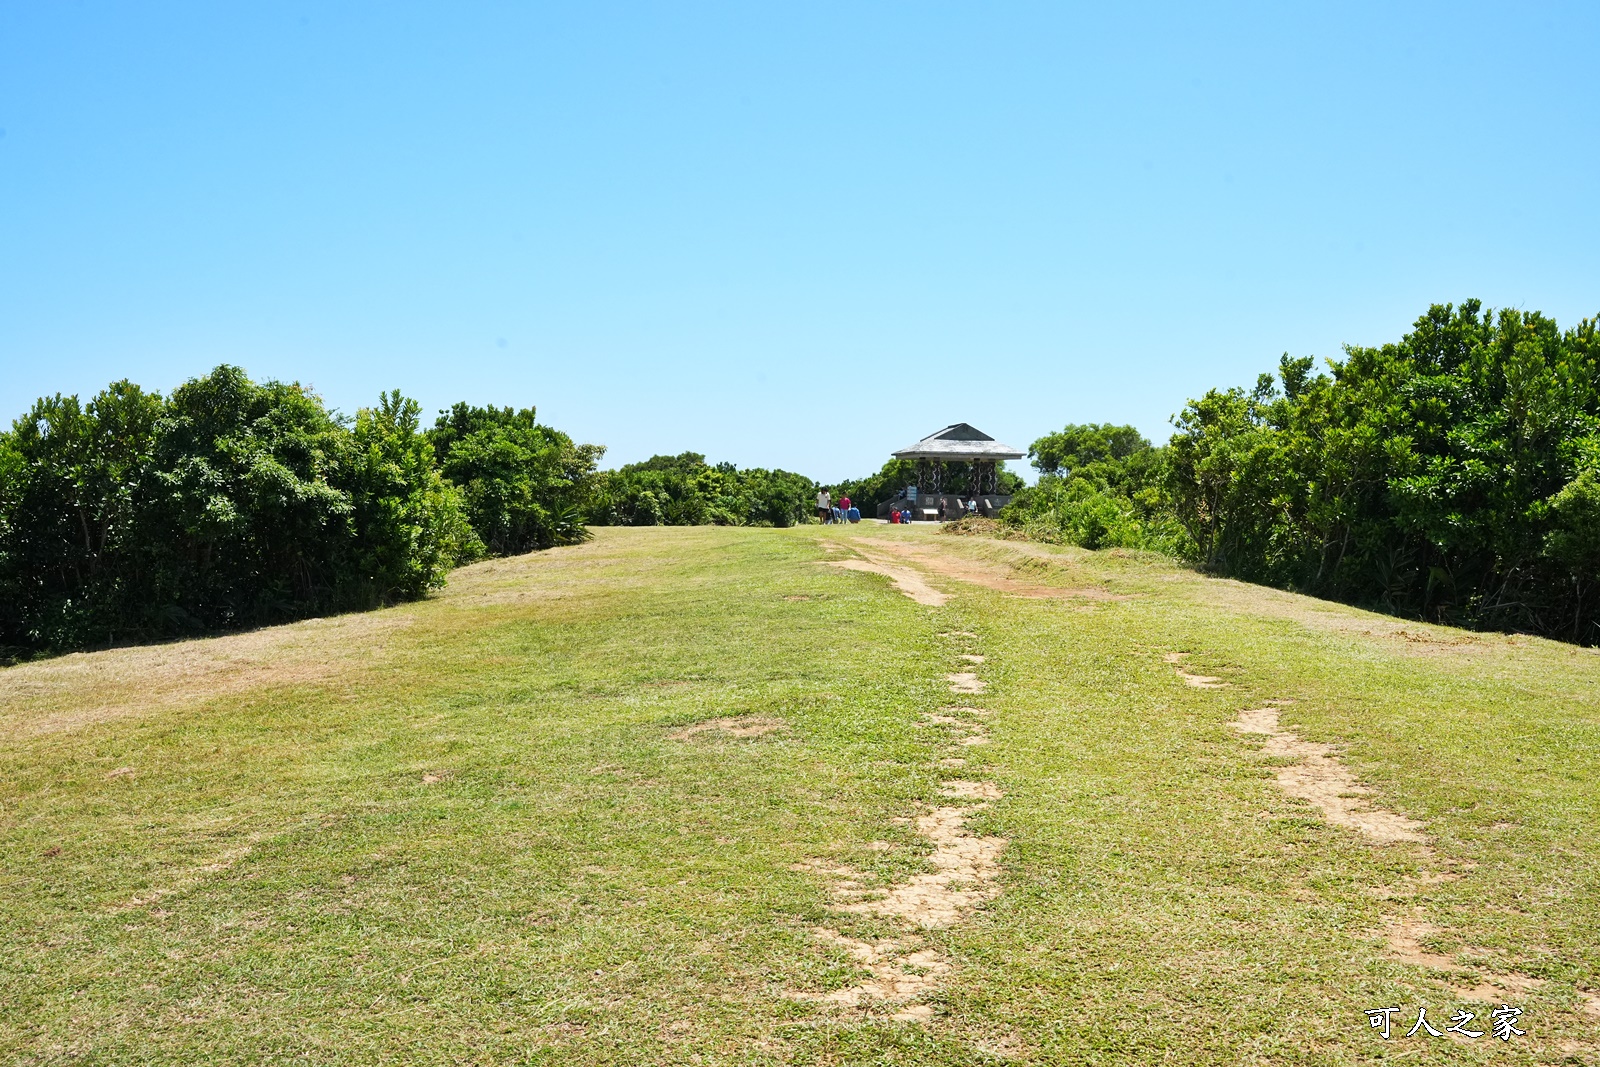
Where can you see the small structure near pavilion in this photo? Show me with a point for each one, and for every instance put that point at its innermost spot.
(960, 443)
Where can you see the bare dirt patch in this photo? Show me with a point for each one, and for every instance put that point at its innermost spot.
(741, 726)
(971, 790)
(1405, 944)
(905, 579)
(1321, 779)
(970, 658)
(1199, 681)
(965, 870)
(896, 974)
(1404, 941)
(965, 682)
(997, 576)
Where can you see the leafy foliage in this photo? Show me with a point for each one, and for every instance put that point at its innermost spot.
(526, 485)
(684, 490)
(1100, 486)
(1454, 475)
(867, 493)
(232, 503)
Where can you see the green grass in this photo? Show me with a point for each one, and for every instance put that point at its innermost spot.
(249, 866)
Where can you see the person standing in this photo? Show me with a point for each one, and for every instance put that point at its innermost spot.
(824, 506)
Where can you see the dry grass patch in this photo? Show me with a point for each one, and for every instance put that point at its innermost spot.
(79, 690)
(739, 726)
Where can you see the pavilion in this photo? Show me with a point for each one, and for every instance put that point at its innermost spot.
(960, 443)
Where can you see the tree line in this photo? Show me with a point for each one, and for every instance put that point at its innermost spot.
(231, 503)
(1452, 476)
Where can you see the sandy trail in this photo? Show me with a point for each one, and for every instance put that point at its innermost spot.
(905, 579)
(965, 682)
(965, 871)
(997, 576)
(1403, 938)
(896, 972)
(1320, 778)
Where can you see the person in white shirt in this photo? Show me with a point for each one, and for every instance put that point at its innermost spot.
(824, 506)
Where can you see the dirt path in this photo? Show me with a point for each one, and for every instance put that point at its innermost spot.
(1199, 681)
(908, 581)
(964, 873)
(997, 576)
(1317, 776)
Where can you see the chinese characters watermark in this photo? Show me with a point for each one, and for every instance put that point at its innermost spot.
(1502, 1023)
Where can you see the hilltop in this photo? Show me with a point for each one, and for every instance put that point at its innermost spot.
(805, 795)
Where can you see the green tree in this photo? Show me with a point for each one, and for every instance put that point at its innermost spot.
(414, 523)
(71, 480)
(526, 485)
(1100, 486)
(684, 490)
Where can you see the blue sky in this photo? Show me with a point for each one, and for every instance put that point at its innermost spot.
(794, 235)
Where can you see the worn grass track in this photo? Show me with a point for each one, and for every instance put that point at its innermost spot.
(477, 830)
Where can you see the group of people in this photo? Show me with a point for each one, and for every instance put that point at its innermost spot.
(968, 508)
(844, 511)
(830, 512)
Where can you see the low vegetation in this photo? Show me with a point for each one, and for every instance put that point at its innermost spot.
(1453, 476)
(684, 490)
(691, 796)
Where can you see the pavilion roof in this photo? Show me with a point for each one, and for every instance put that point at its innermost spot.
(959, 442)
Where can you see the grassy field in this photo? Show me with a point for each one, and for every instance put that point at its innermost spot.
(653, 799)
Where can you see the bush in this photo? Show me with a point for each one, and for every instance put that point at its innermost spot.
(526, 485)
(233, 504)
(1100, 486)
(683, 490)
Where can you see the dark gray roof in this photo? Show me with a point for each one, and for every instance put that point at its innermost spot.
(959, 442)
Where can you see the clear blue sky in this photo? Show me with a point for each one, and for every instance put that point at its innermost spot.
(794, 235)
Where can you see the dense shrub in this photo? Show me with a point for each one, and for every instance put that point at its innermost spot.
(232, 504)
(683, 490)
(526, 485)
(1100, 486)
(1453, 475)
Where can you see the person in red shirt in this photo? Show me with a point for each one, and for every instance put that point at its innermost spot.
(844, 503)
